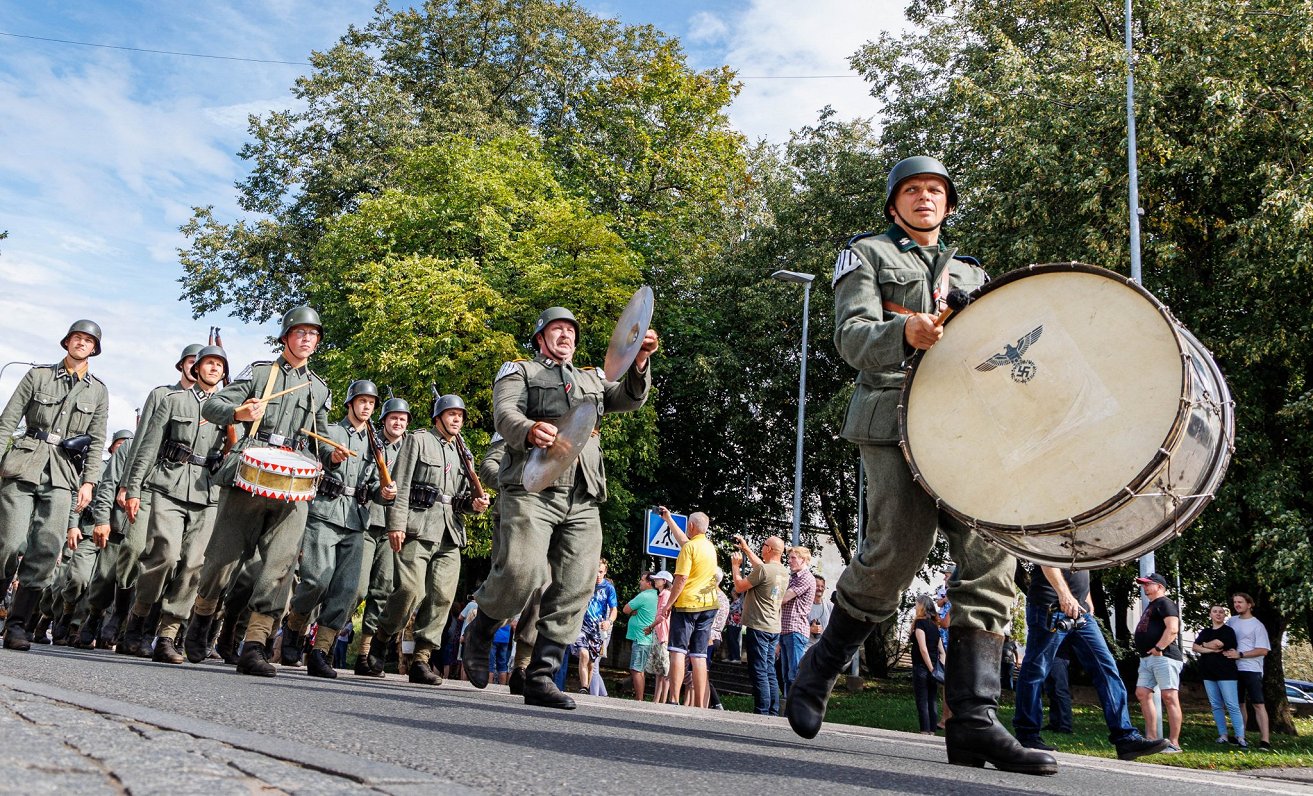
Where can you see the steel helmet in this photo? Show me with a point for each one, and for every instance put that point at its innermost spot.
(915, 167)
(86, 327)
(552, 314)
(202, 353)
(300, 316)
(448, 401)
(395, 405)
(192, 350)
(358, 388)
(123, 433)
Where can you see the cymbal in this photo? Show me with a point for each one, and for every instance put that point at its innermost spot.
(545, 465)
(629, 333)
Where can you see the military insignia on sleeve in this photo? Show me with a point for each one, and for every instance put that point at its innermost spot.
(846, 264)
(507, 369)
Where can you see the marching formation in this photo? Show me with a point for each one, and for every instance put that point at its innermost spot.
(237, 506)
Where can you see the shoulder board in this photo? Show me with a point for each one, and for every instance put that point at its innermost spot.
(51, 366)
(508, 368)
(847, 263)
(91, 377)
(968, 259)
(601, 374)
(318, 378)
(859, 236)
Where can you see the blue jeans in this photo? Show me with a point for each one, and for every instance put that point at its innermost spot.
(1092, 652)
(792, 646)
(1058, 687)
(926, 690)
(731, 636)
(1224, 696)
(761, 662)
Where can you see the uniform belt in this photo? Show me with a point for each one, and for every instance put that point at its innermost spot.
(280, 441)
(36, 433)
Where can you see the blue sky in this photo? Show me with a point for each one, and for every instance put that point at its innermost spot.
(103, 152)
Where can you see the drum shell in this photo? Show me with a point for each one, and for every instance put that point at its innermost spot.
(278, 474)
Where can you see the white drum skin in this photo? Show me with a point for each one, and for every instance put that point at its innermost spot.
(278, 474)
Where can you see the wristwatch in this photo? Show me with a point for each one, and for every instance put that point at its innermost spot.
(1160, 649)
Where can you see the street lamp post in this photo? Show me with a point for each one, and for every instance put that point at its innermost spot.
(806, 281)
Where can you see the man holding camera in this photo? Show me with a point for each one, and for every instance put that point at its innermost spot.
(1058, 605)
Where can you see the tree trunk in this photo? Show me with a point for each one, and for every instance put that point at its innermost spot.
(1280, 718)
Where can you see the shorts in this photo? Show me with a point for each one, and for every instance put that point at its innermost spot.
(691, 630)
(638, 657)
(1251, 687)
(658, 660)
(590, 638)
(1161, 672)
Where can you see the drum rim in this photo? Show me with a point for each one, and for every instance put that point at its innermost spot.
(1121, 496)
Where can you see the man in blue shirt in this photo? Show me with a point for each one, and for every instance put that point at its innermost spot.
(601, 613)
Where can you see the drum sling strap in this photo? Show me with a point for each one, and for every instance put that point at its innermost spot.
(268, 391)
(938, 297)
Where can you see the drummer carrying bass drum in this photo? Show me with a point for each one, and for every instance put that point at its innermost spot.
(888, 289)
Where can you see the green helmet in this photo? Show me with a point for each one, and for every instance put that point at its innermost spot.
(395, 405)
(202, 353)
(192, 350)
(300, 316)
(552, 314)
(86, 327)
(358, 388)
(448, 401)
(915, 167)
(123, 433)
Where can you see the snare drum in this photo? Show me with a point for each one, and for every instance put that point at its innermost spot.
(278, 473)
(1069, 417)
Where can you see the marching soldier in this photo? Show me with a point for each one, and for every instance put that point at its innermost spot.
(175, 461)
(332, 552)
(245, 522)
(65, 407)
(376, 575)
(560, 527)
(427, 531)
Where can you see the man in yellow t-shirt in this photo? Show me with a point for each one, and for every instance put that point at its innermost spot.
(693, 600)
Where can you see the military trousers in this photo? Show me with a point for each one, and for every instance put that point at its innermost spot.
(331, 562)
(171, 562)
(554, 535)
(128, 558)
(100, 591)
(427, 574)
(79, 566)
(376, 576)
(900, 530)
(245, 525)
(34, 522)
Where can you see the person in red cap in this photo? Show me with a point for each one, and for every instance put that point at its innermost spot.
(1160, 660)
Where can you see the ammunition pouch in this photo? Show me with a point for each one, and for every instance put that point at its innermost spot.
(424, 496)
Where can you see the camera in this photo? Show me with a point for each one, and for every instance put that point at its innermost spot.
(1059, 622)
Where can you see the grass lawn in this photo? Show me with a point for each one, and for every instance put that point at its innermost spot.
(889, 705)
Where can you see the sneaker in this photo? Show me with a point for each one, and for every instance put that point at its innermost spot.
(1170, 749)
(1222, 739)
(1133, 748)
(1231, 739)
(1265, 745)
(1243, 744)
(1036, 742)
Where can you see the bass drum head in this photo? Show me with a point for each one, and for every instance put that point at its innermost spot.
(1048, 398)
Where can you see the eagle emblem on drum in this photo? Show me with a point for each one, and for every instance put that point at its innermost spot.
(1023, 370)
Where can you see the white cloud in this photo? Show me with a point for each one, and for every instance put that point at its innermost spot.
(705, 27)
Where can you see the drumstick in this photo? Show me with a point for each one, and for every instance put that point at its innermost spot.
(281, 393)
(957, 300)
(334, 443)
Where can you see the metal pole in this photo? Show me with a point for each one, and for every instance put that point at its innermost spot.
(856, 668)
(1132, 167)
(802, 411)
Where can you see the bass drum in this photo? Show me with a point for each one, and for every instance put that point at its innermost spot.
(1069, 417)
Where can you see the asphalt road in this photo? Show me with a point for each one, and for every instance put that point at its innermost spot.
(396, 737)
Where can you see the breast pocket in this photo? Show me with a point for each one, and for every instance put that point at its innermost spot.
(80, 420)
(905, 287)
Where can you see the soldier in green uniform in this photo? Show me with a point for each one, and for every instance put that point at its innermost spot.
(176, 460)
(332, 552)
(427, 531)
(559, 529)
(40, 476)
(245, 523)
(376, 575)
(888, 290)
(86, 545)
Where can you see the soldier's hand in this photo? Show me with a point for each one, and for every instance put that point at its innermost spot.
(121, 497)
(74, 537)
(100, 535)
(542, 435)
(133, 506)
(338, 455)
(250, 411)
(396, 539)
(84, 496)
(481, 504)
(389, 492)
(651, 342)
(920, 331)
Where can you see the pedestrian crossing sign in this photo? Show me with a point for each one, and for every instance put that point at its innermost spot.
(660, 542)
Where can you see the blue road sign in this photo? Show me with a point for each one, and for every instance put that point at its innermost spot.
(660, 542)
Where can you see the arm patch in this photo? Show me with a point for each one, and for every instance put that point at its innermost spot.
(507, 369)
(847, 263)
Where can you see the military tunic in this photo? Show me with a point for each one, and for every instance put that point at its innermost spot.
(184, 497)
(246, 524)
(874, 277)
(555, 534)
(428, 566)
(38, 481)
(377, 573)
(80, 566)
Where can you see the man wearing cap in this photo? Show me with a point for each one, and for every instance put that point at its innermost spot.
(1160, 660)
(641, 612)
(889, 288)
(53, 466)
(246, 523)
(174, 462)
(332, 552)
(376, 573)
(558, 529)
(426, 529)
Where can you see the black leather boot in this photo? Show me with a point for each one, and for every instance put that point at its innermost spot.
(195, 643)
(293, 647)
(112, 628)
(477, 646)
(516, 682)
(539, 683)
(86, 637)
(133, 636)
(59, 630)
(318, 665)
(226, 642)
(421, 672)
(25, 601)
(820, 668)
(378, 654)
(166, 651)
(213, 642)
(365, 661)
(974, 735)
(41, 633)
(147, 649)
(254, 660)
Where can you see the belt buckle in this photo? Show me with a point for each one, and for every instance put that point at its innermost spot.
(278, 440)
(53, 439)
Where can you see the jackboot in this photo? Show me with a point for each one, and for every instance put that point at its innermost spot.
(147, 649)
(378, 655)
(365, 661)
(41, 633)
(539, 677)
(293, 646)
(820, 668)
(421, 672)
(213, 641)
(166, 651)
(86, 637)
(133, 636)
(478, 644)
(226, 642)
(318, 665)
(198, 635)
(973, 735)
(254, 661)
(59, 630)
(111, 629)
(516, 682)
(25, 601)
